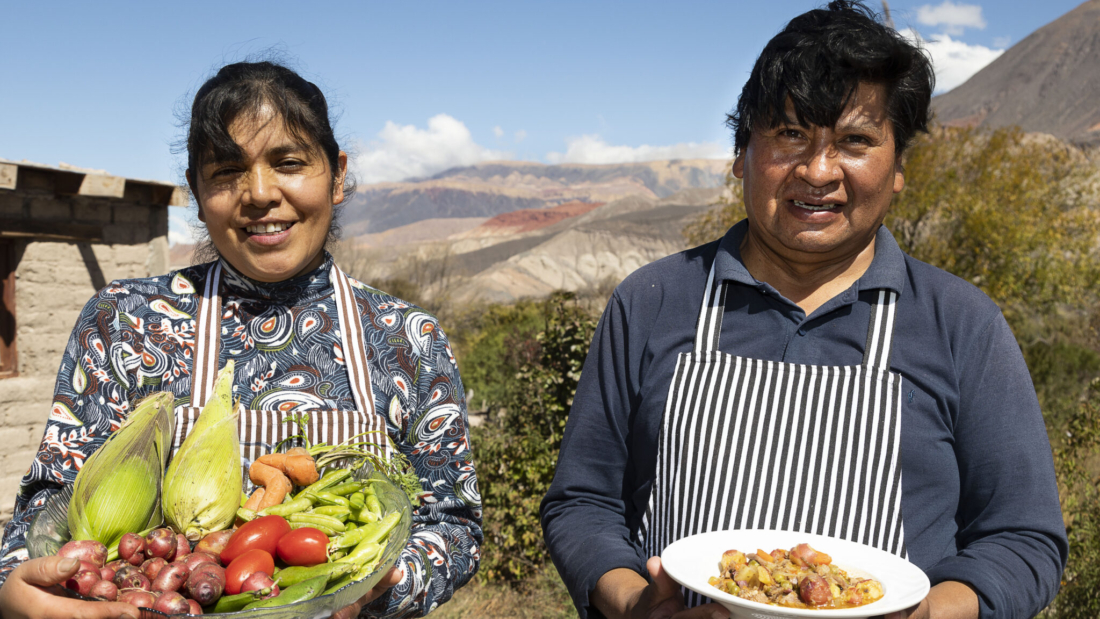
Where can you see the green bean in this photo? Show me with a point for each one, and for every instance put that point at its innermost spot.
(331, 571)
(306, 590)
(327, 498)
(364, 552)
(330, 479)
(318, 519)
(357, 500)
(286, 509)
(336, 511)
(323, 529)
(346, 488)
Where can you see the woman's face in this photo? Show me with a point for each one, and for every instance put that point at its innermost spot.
(269, 213)
(817, 194)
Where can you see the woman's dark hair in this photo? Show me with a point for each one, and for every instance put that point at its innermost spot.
(247, 88)
(817, 62)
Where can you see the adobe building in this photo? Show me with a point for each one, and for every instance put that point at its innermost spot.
(65, 233)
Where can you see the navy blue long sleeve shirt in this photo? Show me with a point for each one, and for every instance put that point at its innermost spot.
(979, 496)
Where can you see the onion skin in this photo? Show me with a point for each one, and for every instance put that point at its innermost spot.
(171, 578)
(104, 590)
(85, 550)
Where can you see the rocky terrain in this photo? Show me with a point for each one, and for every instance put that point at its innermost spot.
(488, 189)
(1049, 82)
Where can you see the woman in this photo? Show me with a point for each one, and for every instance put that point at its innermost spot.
(803, 373)
(267, 175)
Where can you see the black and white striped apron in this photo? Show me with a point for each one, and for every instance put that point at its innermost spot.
(753, 444)
(261, 430)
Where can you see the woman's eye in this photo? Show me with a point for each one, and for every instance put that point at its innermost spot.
(223, 172)
(290, 164)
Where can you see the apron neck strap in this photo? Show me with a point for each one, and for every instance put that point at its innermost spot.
(208, 343)
(880, 329)
(351, 337)
(207, 337)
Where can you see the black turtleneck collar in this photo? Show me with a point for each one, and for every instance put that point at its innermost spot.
(305, 288)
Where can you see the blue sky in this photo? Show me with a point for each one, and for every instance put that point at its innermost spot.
(427, 85)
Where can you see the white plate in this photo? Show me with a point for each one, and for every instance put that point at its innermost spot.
(692, 560)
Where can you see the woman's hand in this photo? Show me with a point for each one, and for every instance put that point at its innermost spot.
(24, 594)
(623, 594)
(947, 600)
(352, 610)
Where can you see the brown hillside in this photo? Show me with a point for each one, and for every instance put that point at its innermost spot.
(527, 220)
(1049, 82)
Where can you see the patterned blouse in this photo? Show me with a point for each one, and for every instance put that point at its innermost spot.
(138, 336)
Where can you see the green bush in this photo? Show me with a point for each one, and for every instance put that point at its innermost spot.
(517, 450)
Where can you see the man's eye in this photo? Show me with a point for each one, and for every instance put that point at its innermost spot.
(857, 139)
(793, 134)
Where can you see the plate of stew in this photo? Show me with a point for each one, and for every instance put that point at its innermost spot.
(766, 574)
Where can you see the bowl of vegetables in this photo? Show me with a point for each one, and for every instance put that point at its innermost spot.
(179, 536)
(343, 581)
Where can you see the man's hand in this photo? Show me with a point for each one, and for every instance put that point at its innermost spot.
(351, 611)
(624, 594)
(947, 600)
(25, 595)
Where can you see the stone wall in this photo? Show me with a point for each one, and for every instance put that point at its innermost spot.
(54, 279)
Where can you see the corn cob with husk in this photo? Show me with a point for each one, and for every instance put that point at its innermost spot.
(202, 487)
(117, 491)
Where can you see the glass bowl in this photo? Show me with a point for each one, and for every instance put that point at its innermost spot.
(50, 530)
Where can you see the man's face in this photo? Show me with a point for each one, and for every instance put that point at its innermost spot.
(818, 194)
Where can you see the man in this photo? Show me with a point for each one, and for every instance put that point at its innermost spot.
(803, 373)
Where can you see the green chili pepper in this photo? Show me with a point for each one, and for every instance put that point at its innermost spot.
(306, 590)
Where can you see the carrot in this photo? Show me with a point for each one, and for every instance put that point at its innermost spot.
(296, 463)
(253, 501)
(276, 485)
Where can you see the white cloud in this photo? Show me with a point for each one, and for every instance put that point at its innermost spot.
(593, 149)
(954, 61)
(952, 17)
(403, 151)
(497, 131)
(179, 228)
(520, 135)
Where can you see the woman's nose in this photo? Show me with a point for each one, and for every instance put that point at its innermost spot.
(262, 190)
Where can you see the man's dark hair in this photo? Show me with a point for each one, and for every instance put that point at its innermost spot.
(817, 62)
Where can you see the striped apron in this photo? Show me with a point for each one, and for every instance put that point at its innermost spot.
(753, 444)
(261, 430)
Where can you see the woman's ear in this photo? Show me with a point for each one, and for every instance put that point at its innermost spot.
(194, 193)
(341, 174)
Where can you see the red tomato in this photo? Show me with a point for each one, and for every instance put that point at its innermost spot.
(262, 533)
(305, 546)
(250, 562)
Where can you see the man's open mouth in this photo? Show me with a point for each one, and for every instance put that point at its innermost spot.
(815, 207)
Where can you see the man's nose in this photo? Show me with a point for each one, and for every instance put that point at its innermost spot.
(821, 167)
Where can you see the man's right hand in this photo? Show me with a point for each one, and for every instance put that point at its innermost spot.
(24, 594)
(624, 594)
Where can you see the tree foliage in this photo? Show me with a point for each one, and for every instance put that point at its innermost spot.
(517, 450)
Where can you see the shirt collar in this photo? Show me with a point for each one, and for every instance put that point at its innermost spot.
(887, 268)
(298, 290)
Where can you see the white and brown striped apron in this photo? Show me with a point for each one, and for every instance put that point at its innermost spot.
(261, 430)
(753, 444)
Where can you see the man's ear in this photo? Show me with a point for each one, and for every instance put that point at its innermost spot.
(899, 176)
(194, 192)
(739, 165)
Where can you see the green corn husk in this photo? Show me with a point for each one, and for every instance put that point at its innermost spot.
(202, 487)
(118, 490)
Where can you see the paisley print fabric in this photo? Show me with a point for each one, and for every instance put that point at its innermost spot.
(138, 336)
